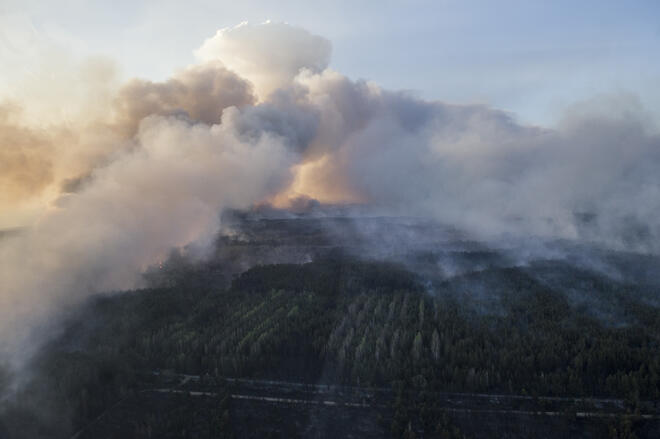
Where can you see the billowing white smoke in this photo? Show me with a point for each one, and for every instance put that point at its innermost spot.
(165, 192)
(595, 177)
(176, 153)
(269, 56)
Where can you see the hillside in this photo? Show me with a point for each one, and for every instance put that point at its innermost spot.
(398, 327)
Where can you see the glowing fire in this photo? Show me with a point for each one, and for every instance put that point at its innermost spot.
(314, 179)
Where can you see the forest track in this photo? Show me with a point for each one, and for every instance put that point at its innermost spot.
(333, 388)
(274, 391)
(334, 403)
(283, 393)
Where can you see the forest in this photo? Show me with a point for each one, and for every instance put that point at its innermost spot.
(346, 321)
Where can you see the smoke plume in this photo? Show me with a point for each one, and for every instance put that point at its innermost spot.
(261, 118)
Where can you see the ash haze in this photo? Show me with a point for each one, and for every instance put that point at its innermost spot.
(106, 175)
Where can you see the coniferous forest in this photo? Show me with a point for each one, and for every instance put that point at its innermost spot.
(134, 359)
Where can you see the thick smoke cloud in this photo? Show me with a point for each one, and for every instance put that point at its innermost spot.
(593, 177)
(36, 160)
(269, 55)
(41, 160)
(261, 119)
(202, 92)
(166, 192)
(54, 126)
(23, 167)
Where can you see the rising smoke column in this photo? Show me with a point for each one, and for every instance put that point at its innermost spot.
(174, 155)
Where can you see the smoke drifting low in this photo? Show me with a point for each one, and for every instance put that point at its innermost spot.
(261, 118)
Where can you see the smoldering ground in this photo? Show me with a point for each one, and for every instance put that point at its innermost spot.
(445, 259)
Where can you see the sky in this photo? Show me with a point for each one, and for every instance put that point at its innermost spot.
(532, 58)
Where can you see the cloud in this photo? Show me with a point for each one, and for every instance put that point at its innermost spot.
(269, 55)
(201, 92)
